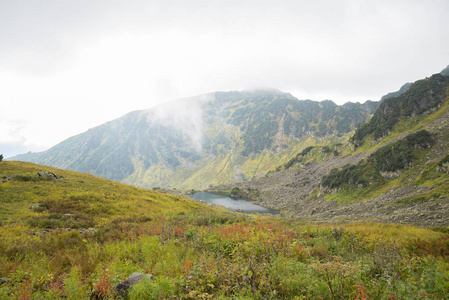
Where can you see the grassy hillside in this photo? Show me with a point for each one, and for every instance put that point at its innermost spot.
(77, 236)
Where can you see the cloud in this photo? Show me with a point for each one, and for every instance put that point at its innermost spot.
(82, 63)
(12, 131)
(184, 115)
(12, 137)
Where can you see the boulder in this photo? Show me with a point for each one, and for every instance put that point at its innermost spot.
(121, 289)
(47, 175)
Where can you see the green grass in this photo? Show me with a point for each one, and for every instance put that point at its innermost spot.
(349, 194)
(195, 252)
(410, 200)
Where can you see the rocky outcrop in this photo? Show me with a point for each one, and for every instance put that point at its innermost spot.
(444, 168)
(47, 175)
(391, 175)
(41, 175)
(122, 288)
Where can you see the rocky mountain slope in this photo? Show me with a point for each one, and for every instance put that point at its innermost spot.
(207, 140)
(393, 169)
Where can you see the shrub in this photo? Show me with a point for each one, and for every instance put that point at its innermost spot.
(401, 154)
(394, 156)
(74, 286)
(296, 159)
(162, 288)
(360, 175)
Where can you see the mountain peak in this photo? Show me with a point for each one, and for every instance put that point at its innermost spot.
(445, 71)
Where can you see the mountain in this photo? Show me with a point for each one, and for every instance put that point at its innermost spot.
(394, 168)
(445, 71)
(399, 92)
(206, 140)
(422, 98)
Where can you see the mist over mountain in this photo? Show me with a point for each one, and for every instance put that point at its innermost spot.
(205, 140)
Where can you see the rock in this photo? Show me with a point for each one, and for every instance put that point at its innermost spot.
(391, 175)
(47, 175)
(122, 287)
(90, 231)
(34, 206)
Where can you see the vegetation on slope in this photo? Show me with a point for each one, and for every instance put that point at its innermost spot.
(195, 252)
(422, 97)
(260, 118)
(317, 153)
(389, 158)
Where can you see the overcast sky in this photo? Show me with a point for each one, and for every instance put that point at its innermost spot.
(67, 66)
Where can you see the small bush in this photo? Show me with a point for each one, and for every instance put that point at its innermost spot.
(401, 154)
(146, 289)
(74, 286)
(361, 175)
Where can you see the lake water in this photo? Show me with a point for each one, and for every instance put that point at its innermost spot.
(233, 204)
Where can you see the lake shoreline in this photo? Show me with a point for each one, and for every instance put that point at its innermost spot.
(233, 204)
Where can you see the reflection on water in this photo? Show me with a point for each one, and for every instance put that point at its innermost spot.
(233, 204)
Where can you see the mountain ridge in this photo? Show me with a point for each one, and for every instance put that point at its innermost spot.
(240, 135)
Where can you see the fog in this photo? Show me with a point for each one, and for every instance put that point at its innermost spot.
(184, 115)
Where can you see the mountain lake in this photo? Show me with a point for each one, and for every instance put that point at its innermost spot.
(240, 205)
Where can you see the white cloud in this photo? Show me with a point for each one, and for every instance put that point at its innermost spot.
(66, 66)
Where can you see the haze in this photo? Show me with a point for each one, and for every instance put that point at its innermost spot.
(66, 66)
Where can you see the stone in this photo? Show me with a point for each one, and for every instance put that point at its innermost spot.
(90, 231)
(121, 289)
(47, 175)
